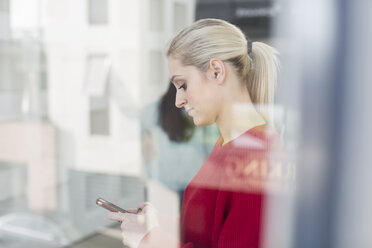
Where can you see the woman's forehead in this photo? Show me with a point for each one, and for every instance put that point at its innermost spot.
(177, 68)
(174, 62)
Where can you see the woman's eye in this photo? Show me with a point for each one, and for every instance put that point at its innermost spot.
(183, 86)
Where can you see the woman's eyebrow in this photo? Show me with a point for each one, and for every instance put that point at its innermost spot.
(172, 78)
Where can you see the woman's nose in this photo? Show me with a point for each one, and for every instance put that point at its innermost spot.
(180, 99)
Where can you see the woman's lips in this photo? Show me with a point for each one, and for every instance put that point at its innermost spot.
(189, 111)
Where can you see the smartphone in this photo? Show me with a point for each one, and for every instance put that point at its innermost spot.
(109, 206)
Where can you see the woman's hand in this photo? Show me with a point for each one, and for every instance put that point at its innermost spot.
(135, 226)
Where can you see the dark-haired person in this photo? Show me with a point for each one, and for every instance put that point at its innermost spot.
(174, 149)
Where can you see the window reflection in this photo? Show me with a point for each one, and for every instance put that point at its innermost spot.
(81, 85)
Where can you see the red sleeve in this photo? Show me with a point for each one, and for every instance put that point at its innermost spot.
(242, 224)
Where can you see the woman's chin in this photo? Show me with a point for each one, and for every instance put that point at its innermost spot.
(196, 122)
(199, 122)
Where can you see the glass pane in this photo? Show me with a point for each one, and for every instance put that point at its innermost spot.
(4, 5)
(156, 74)
(89, 113)
(156, 9)
(97, 74)
(4, 20)
(99, 116)
(179, 16)
(98, 12)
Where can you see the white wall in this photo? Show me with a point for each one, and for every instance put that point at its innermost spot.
(138, 76)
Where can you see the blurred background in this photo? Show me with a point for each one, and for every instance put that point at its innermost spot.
(84, 85)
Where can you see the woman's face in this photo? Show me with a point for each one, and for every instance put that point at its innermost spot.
(196, 92)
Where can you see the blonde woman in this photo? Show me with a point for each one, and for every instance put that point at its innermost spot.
(223, 78)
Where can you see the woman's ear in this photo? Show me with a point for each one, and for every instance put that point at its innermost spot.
(217, 70)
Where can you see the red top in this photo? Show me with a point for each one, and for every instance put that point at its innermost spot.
(223, 204)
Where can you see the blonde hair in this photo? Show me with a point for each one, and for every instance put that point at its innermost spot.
(205, 39)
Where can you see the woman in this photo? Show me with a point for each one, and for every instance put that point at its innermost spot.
(220, 78)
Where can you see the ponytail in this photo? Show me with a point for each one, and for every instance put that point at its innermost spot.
(262, 78)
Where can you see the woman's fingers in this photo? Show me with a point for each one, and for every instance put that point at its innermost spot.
(144, 204)
(116, 216)
(133, 223)
(135, 226)
(132, 210)
(144, 207)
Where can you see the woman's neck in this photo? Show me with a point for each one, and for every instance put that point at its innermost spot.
(237, 114)
(237, 118)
